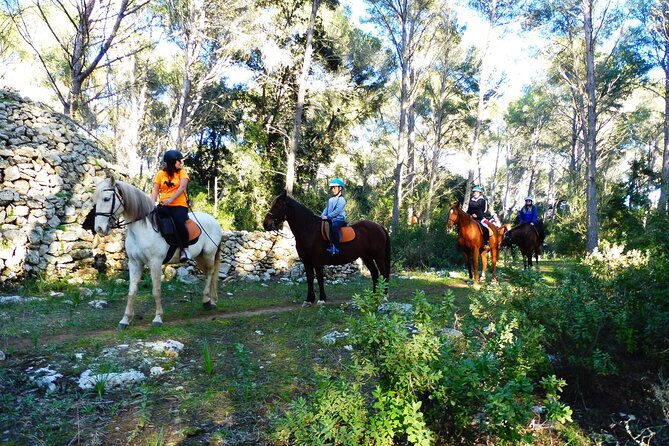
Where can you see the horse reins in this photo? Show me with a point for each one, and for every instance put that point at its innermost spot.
(111, 215)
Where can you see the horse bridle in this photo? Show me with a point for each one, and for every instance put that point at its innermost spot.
(111, 215)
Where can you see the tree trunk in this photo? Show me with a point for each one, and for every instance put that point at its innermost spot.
(664, 176)
(592, 228)
(474, 153)
(296, 135)
(402, 147)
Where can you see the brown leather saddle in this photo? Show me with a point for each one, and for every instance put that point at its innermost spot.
(347, 232)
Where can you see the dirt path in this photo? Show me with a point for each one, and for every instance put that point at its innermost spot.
(25, 343)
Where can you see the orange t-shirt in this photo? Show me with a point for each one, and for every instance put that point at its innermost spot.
(168, 186)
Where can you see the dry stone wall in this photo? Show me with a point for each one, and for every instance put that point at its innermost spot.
(48, 171)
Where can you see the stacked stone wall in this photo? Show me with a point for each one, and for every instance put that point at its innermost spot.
(48, 171)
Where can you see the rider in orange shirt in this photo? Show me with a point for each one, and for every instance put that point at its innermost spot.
(169, 192)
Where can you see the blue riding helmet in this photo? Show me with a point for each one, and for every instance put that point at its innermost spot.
(336, 182)
(172, 155)
(529, 198)
(477, 189)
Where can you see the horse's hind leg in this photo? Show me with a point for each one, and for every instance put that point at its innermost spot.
(210, 293)
(135, 275)
(373, 271)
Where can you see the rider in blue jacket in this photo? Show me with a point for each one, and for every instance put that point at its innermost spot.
(528, 213)
(335, 213)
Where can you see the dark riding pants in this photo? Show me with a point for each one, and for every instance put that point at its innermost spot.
(179, 214)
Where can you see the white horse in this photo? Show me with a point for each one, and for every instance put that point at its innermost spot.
(146, 246)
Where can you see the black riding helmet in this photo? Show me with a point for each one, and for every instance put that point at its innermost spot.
(172, 155)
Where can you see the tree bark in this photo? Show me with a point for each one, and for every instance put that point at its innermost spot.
(402, 147)
(664, 176)
(592, 224)
(296, 135)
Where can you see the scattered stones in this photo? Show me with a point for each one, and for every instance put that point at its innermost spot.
(332, 337)
(99, 304)
(44, 377)
(88, 379)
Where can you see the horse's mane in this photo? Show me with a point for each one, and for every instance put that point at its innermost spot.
(457, 207)
(136, 203)
(301, 209)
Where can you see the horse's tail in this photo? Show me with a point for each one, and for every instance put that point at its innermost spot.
(386, 267)
(217, 268)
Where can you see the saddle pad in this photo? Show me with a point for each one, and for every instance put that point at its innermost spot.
(194, 230)
(347, 232)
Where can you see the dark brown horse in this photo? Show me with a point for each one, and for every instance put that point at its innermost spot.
(527, 238)
(371, 243)
(470, 242)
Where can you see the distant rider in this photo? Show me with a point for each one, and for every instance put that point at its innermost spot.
(478, 208)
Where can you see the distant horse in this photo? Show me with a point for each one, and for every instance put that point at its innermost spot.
(470, 242)
(371, 243)
(527, 238)
(144, 245)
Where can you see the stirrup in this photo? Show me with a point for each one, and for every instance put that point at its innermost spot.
(185, 256)
(332, 250)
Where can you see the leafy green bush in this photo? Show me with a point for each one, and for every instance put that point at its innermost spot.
(611, 308)
(414, 247)
(418, 377)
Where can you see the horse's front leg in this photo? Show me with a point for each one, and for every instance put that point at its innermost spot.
(484, 264)
(321, 287)
(468, 261)
(156, 273)
(311, 296)
(135, 274)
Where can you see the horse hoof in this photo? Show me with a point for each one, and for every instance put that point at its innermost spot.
(208, 305)
(320, 303)
(306, 303)
(157, 324)
(122, 327)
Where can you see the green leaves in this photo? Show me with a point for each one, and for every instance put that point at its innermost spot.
(415, 378)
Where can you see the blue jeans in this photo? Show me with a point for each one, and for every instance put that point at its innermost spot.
(335, 234)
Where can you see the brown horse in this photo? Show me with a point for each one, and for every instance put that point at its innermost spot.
(470, 242)
(527, 238)
(371, 243)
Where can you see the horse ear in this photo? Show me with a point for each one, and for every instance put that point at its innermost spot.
(110, 174)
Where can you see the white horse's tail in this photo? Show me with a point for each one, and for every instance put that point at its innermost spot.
(217, 268)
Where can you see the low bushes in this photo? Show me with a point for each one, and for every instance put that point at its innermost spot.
(423, 376)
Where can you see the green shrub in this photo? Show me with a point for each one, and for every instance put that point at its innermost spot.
(417, 377)
(414, 247)
(610, 309)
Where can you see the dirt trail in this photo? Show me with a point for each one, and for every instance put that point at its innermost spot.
(25, 343)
